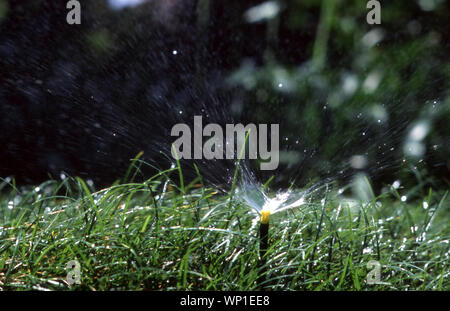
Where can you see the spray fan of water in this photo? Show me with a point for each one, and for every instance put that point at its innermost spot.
(259, 200)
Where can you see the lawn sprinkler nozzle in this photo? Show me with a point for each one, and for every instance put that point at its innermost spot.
(264, 234)
(264, 242)
(265, 217)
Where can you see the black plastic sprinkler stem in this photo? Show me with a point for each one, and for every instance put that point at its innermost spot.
(263, 242)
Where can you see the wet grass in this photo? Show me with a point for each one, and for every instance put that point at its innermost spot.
(156, 236)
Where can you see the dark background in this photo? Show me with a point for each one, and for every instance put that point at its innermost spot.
(85, 99)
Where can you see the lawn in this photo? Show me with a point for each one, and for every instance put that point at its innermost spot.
(156, 235)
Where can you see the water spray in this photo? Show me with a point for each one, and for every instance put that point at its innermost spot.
(265, 206)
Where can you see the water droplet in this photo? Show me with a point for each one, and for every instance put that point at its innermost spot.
(367, 250)
(403, 198)
(396, 184)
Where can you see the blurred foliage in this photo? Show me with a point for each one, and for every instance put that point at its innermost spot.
(339, 87)
(375, 82)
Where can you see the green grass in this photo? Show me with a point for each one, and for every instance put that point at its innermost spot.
(156, 236)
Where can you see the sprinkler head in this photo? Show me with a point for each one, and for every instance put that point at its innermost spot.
(263, 242)
(265, 217)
